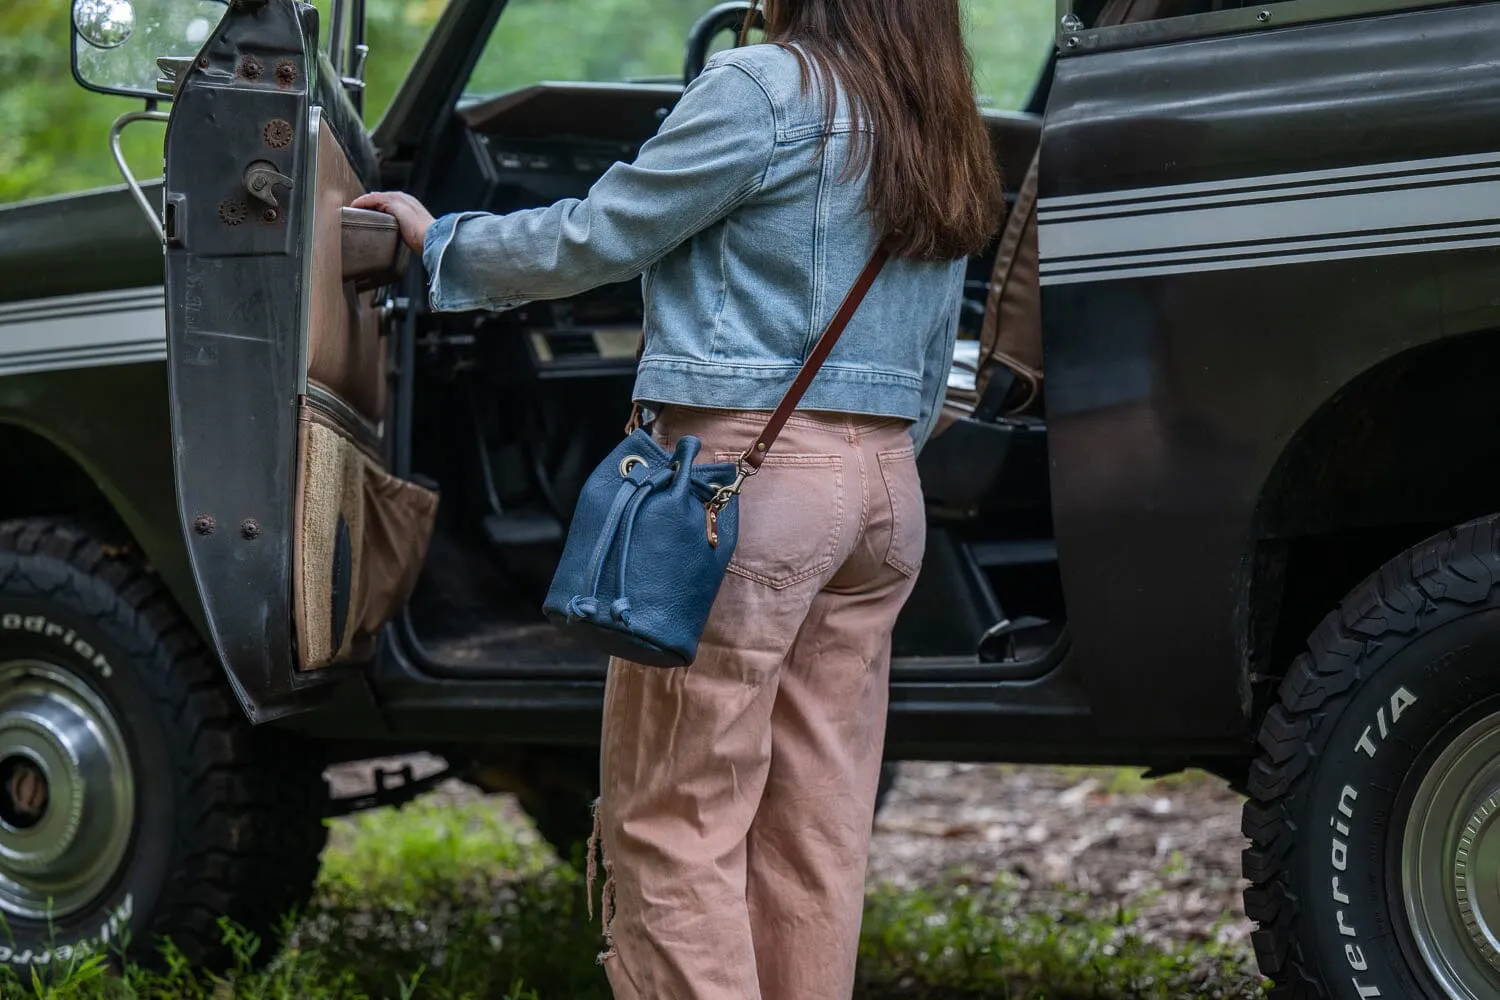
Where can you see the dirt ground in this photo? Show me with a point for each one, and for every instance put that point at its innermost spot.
(1167, 851)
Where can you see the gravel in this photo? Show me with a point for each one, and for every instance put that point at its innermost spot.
(1169, 851)
(1162, 857)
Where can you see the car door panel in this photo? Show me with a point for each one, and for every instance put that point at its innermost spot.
(347, 352)
(301, 543)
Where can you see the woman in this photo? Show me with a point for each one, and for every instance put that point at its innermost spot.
(738, 793)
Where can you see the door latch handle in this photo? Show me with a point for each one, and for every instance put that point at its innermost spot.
(261, 179)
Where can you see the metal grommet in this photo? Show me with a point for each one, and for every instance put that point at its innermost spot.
(629, 462)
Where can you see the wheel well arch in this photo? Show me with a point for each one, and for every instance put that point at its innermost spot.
(38, 478)
(1408, 448)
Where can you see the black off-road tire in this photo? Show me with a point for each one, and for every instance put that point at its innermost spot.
(1410, 660)
(227, 817)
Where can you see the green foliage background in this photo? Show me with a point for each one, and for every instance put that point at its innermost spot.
(53, 134)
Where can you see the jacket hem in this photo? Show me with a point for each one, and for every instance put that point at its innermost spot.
(835, 390)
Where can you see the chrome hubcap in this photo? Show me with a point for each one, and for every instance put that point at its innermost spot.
(67, 799)
(1475, 882)
(1451, 865)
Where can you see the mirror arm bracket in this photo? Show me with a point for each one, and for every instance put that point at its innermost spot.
(149, 115)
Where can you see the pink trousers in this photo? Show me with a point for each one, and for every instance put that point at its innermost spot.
(738, 793)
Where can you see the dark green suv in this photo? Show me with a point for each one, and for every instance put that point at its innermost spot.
(1225, 381)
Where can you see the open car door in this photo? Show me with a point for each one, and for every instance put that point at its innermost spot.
(301, 543)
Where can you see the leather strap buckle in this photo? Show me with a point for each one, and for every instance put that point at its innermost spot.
(743, 471)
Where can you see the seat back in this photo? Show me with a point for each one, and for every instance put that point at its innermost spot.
(1010, 336)
(1011, 333)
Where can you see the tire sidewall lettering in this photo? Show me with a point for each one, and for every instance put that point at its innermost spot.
(64, 634)
(49, 629)
(1353, 812)
(109, 935)
(227, 821)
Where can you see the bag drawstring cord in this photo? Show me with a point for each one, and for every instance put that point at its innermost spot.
(622, 513)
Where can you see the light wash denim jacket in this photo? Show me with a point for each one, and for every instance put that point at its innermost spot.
(748, 237)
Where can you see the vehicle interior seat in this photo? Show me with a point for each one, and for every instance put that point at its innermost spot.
(990, 439)
(1008, 372)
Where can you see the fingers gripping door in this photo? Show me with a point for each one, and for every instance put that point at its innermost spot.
(301, 543)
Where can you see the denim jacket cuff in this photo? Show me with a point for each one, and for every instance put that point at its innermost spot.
(434, 245)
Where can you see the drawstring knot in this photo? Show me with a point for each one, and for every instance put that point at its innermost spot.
(638, 484)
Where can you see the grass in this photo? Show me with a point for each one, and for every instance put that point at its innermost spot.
(455, 902)
(965, 941)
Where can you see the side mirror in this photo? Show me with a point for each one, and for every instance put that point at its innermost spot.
(133, 47)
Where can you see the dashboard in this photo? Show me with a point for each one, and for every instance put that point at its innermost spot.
(533, 147)
(543, 143)
(529, 145)
(630, 112)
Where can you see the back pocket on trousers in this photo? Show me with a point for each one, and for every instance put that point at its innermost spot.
(791, 517)
(908, 510)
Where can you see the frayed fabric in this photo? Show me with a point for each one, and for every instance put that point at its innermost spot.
(607, 892)
(591, 868)
(607, 913)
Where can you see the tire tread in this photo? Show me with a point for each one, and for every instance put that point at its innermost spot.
(1461, 566)
(248, 842)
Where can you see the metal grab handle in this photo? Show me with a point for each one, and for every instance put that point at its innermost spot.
(135, 186)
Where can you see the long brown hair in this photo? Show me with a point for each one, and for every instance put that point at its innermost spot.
(933, 183)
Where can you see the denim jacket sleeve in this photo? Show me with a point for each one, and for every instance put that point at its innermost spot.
(938, 362)
(711, 153)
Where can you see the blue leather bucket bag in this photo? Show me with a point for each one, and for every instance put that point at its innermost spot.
(653, 533)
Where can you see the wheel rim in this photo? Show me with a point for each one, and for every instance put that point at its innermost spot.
(67, 797)
(1450, 862)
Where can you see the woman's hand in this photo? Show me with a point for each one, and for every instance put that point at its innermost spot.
(410, 214)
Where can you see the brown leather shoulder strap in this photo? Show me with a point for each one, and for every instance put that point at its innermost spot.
(756, 453)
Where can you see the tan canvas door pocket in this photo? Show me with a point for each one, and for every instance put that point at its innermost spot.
(361, 538)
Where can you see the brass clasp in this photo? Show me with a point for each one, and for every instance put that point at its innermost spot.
(721, 498)
(724, 494)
